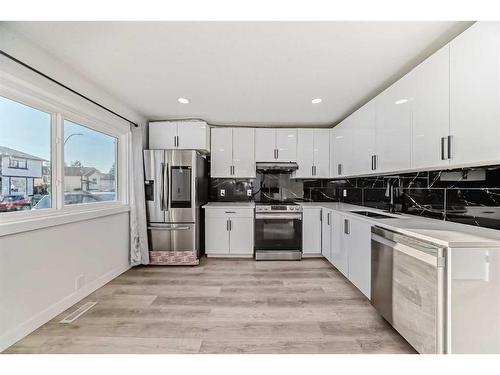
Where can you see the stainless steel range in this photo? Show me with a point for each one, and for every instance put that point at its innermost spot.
(278, 231)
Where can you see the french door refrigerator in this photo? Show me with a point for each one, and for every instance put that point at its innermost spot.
(176, 186)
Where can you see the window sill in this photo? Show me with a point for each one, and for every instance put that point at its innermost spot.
(25, 224)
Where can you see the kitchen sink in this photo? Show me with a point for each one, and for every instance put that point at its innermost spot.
(374, 215)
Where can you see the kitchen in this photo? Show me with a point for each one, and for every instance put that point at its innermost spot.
(279, 231)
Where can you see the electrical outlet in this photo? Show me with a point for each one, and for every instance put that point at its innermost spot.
(79, 281)
(344, 192)
(249, 192)
(222, 192)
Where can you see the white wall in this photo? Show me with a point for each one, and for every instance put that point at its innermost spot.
(38, 270)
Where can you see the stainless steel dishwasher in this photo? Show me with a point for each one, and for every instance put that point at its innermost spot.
(407, 287)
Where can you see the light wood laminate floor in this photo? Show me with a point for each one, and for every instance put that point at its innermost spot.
(223, 306)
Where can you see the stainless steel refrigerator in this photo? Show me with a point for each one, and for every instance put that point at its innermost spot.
(176, 186)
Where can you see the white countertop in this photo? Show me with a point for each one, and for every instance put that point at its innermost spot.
(229, 205)
(444, 233)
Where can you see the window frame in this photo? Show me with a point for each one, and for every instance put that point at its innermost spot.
(60, 108)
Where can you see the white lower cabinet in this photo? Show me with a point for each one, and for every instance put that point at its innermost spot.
(346, 244)
(311, 231)
(338, 250)
(229, 232)
(357, 245)
(326, 233)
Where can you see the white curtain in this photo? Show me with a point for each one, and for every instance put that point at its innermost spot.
(139, 252)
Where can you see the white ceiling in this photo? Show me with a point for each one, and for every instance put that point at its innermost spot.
(248, 73)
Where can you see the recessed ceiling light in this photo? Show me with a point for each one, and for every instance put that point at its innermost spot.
(401, 101)
(316, 100)
(183, 100)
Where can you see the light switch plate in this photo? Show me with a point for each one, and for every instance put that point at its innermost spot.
(222, 192)
(344, 193)
(249, 192)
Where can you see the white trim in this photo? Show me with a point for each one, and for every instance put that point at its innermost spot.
(17, 333)
(225, 255)
(49, 218)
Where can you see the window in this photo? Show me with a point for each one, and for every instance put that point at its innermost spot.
(25, 156)
(18, 163)
(89, 165)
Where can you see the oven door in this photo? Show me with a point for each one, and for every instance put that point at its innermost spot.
(278, 232)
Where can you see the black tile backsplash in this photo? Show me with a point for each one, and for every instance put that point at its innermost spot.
(468, 196)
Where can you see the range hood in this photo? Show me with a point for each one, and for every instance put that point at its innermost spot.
(276, 167)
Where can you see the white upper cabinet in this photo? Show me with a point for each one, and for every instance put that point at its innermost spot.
(475, 95)
(221, 158)
(305, 153)
(364, 152)
(321, 153)
(393, 127)
(430, 110)
(313, 153)
(276, 145)
(265, 144)
(286, 144)
(162, 135)
(232, 153)
(342, 149)
(244, 152)
(181, 135)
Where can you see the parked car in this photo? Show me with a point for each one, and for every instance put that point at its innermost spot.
(69, 198)
(105, 195)
(15, 203)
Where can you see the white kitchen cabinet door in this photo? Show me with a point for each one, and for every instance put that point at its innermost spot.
(321, 153)
(430, 85)
(221, 160)
(305, 153)
(357, 241)
(243, 152)
(393, 127)
(216, 235)
(475, 95)
(339, 256)
(326, 232)
(342, 149)
(286, 144)
(241, 236)
(265, 145)
(363, 133)
(162, 135)
(311, 230)
(193, 135)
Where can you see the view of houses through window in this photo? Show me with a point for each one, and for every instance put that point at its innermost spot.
(89, 165)
(26, 167)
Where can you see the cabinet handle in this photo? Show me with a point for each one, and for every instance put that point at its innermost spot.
(320, 215)
(314, 169)
(328, 218)
(346, 226)
(230, 225)
(443, 139)
(230, 212)
(449, 146)
(373, 163)
(277, 153)
(227, 225)
(375, 159)
(339, 169)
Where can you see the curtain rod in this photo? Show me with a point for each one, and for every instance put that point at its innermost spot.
(66, 87)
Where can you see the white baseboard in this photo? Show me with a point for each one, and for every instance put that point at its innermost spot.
(17, 333)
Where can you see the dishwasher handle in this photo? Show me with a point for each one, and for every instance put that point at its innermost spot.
(432, 259)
